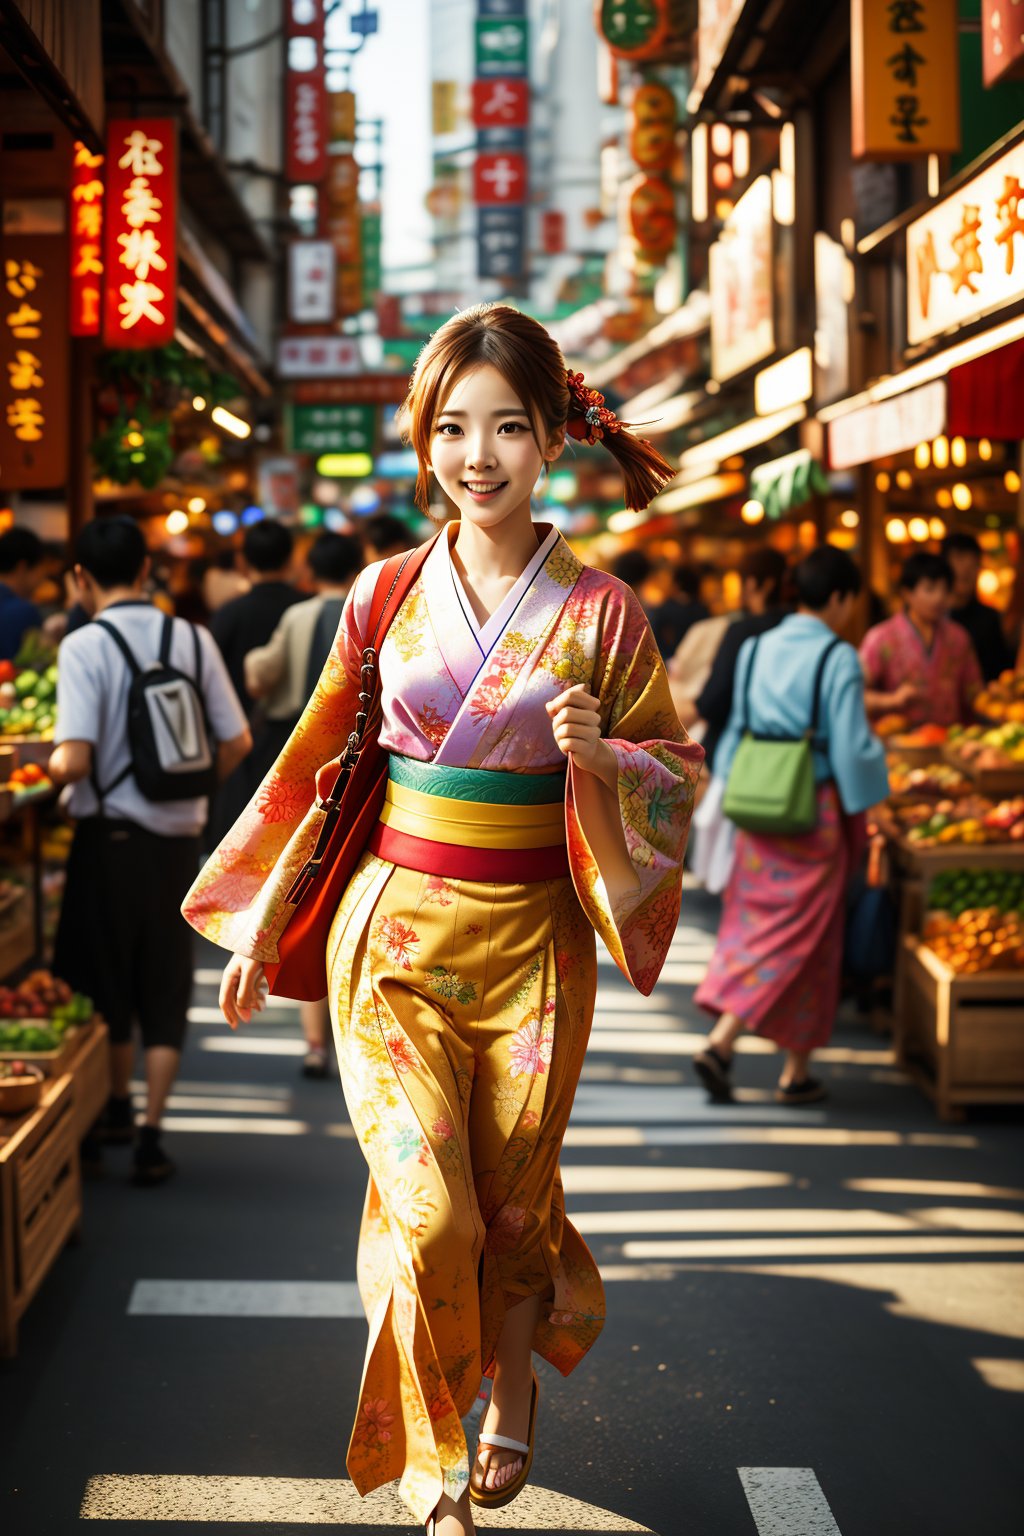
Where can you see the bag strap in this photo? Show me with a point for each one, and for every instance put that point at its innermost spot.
(166, 637)
(818, 678)
(746, 690)
(122, 645)
(135, 670)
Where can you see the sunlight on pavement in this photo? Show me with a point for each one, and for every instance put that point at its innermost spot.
(780, 1136)
(588, 1179)
(317, 1501)
(1004, 1375)
(823, 1247)
(934, 1187)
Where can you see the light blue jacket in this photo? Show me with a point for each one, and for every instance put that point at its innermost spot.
(780, 705)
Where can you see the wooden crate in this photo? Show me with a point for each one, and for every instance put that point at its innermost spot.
(1001, 782)
(18, 938)
(54, 1063)
(913, 860)
(962, 1037)
(89, 1064)
(40, 1200)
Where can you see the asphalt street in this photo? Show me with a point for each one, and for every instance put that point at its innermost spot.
(815, 1316)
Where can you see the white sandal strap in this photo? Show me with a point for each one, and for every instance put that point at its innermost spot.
(503, 1443)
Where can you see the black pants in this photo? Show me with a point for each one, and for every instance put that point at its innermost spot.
(122, 938)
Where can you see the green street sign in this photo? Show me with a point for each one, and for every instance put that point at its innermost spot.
(501, 46)
(331, 428)
(371, 257)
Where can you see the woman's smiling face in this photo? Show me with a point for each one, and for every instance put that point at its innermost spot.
(483, 448)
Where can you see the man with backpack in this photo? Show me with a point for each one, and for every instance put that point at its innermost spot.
(147, 724)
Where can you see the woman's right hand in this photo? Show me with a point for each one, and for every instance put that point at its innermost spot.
(243, 990)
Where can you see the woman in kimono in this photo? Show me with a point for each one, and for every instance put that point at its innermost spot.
(540, 789)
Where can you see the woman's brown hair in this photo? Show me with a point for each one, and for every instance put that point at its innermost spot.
(531, 362)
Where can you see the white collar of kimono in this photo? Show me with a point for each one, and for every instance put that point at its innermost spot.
(487, 633)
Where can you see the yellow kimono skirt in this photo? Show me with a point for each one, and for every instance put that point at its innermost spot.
(461, 1009)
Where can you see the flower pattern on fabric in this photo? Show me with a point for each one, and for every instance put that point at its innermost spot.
(530, 1049)
(398, 939)
(375, 1420)
(439, 890)
(278, 800)
(401, 1053)
(449, 985)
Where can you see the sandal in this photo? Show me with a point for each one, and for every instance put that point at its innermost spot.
(810, 1091)
(496, 1498)
(713, 1071)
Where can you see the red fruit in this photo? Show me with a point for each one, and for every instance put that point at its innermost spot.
(17, 1069)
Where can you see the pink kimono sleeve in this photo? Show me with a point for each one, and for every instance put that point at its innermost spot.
(629, 875)
(237, 900)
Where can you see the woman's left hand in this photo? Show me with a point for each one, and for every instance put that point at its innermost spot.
(576, 722)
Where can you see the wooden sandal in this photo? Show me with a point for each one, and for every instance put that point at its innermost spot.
(497, 1498)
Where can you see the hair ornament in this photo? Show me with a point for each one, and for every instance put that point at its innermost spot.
(589, 418)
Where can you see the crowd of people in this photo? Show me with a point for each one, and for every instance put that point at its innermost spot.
(261, 623)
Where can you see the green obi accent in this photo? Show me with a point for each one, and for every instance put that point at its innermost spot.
(485, 786)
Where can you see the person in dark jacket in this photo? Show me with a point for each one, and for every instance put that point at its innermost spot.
(22, 558)
(680, 610)
(763, 573)
(981, 621)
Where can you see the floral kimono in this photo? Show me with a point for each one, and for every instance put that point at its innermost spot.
(462, 995)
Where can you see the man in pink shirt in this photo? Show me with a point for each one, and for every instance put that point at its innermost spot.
(920, 663)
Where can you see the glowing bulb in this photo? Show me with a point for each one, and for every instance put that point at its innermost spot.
(904, 479)
(721, 139)
(988, 583)
(923, 455)
(230, 422)
(850, 519)
(896, 530)
(940, 453)
(943, 499)
(752, 511)
(1012, 481)
(198, 403)
(196, 504)
(882, 482)
(958, 452)
(177, 522)
(135, 439)
(937, 528)
(918, 529)
(962, 498)
(984, 448)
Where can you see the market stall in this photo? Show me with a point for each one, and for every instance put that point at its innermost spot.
(954, 825)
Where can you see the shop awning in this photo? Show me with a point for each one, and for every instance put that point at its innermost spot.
(58, 48)
(784, 484)
(986, 396)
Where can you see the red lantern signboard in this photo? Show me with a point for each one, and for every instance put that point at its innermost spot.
(86, 225)
(652, 218)
(1002, 39)
(306, 107)
(652, 126)
(140, 257)
(501, 103)
(499, 179)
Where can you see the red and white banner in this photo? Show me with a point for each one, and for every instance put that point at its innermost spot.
(501, 103)
(307, 120)
(317, 357)
(311, 267)
(86, 228)
(140, 258)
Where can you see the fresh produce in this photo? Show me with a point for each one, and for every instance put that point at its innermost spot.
(28, 702)
(29, 776)
(1003, 700)
(42, 996)
(1000, 747)
(973, 819)
(922, 736)
(940, 779)
(975, 920)
(890, 725)
(24, 1035)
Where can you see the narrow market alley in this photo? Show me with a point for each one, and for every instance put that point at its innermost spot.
(816, 1311)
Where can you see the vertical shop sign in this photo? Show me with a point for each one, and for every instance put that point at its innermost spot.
(311, 282)
(501, 242)
(965, 256)
(370, 229)
(502, 47)
(344, 230)
(1002, 39)
(341, 116)
(86, 232)
(741, 268)
(499, 179)
(140, 256)
(501, 103)
(633, 29)
(33, 367)
(906, 78)
(306, 117)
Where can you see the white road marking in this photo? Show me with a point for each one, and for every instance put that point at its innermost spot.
(245, 1298)
(758, 1248)
(317, 1501)
(252, 1045)
(200, 1014)
(787, 1501)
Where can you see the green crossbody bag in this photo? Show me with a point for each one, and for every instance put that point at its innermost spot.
(771, 784)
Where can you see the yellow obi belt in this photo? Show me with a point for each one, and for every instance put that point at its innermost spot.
(472, 823)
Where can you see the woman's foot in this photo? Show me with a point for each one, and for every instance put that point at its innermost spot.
(508, 1414)
(451, 1518)
(713, 1065)
(805, 1090)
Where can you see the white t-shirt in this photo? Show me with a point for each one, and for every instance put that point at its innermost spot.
(93, 682)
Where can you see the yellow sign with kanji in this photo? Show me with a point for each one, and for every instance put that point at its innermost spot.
(33, 362)
(965, 256)
(906, 78)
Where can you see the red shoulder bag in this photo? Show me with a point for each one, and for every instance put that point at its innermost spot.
(351, 810)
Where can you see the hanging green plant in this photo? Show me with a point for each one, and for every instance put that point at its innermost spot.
(134, 447)
(139, 390)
